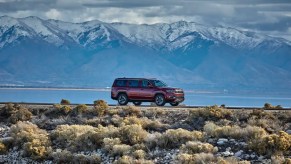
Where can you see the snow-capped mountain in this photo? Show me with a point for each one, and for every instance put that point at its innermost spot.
(34, 51)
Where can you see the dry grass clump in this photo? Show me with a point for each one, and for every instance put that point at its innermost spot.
(34, 141)
(234, 131)
(2, 148)
(272, 144)
(210, 113)
(64, 156)
(65, 102)
(132, 134)
(174, 138)
(130, 111)
(193, 147)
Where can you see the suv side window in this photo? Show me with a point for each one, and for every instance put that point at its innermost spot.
(145, 83)
(120, 83)
(133, 83)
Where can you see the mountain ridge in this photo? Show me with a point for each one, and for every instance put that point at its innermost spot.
(184, 52)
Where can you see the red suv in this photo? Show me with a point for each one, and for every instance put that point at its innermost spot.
(138, 90)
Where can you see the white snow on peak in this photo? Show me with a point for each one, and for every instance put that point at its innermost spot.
(43, 29)
(157, 36)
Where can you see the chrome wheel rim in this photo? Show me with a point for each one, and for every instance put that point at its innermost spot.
(159, 100)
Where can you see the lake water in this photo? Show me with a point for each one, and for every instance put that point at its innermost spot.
(88, 96)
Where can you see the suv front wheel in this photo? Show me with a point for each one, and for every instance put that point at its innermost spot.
(122, 99)
(160, 100)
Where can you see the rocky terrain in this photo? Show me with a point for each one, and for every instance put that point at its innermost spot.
(64, 133)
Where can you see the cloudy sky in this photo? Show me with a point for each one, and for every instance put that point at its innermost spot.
(272, 17)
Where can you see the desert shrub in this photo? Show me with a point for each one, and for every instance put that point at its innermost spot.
(58, 110)
(201, 158)
(100, 106)
(93, 122)
(129, 160)
(144, 122)
(173, 138)
(65, 136)
(22, 114)
(112, 112)
(82, 158)
(193, 147)
(57, 106)
(64, 156)
(94, 139)
(8, 110)
(271, 144)
(267, 124)
(130, 111)
(234, 131)
(260, 113)
(79, 109)
(210, 113)
(139, 154)
(231, 160)
(65, 102)
(287, 161)
(154, 112)
(132, 134)
(108, 143)
(133, 120)
(34, 141)
(2, 148)
(66, 109)
(120, 150)
(269, 106)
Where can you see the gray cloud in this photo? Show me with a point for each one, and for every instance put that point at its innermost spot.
(265, 16)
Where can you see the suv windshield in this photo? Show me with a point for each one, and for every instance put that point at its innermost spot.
(158, 83)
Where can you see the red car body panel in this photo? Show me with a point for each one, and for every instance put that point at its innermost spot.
(137, 91)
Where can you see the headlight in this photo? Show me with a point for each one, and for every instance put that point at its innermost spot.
(170, 91)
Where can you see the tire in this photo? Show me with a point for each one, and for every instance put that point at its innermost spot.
(174, 103)
(160, 100)
(137, 103)
(122, 99)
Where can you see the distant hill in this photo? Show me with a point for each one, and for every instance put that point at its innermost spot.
(38, 52)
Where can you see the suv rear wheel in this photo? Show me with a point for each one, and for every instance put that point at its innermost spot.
(136, 103)
(122, 99)
(174, 103)
(160, 100)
